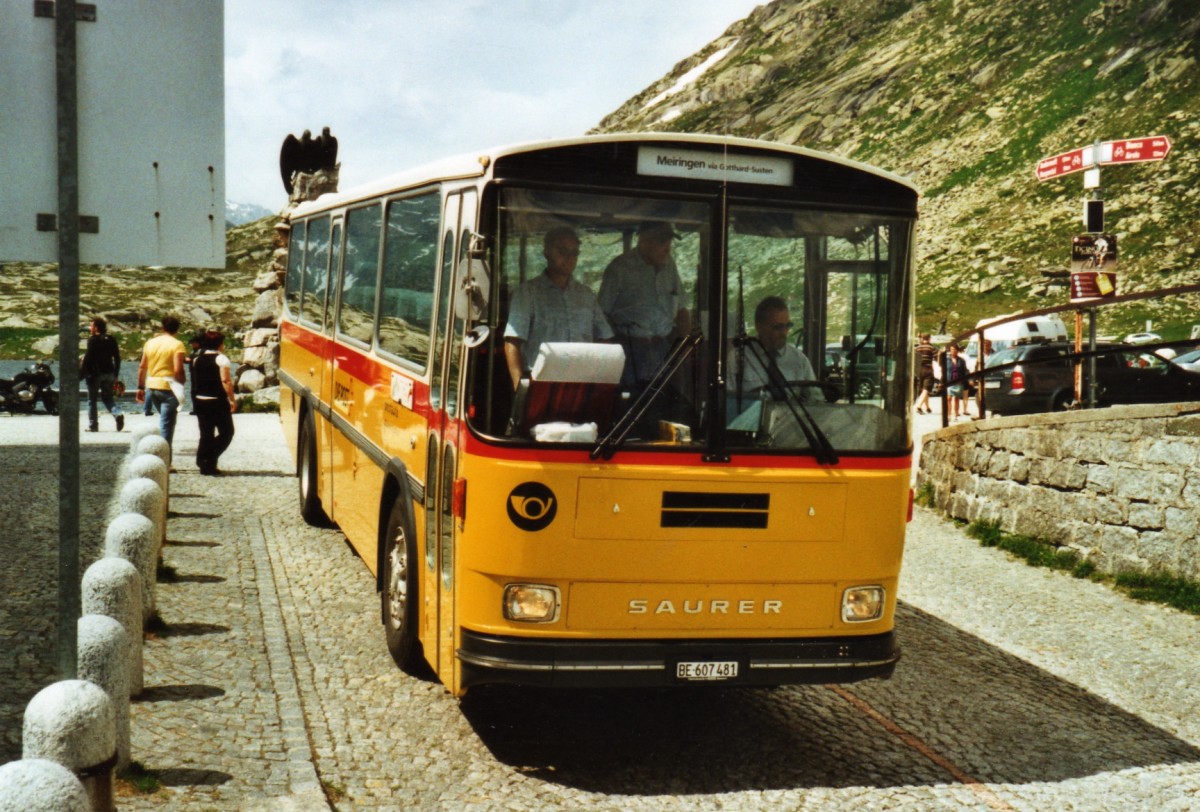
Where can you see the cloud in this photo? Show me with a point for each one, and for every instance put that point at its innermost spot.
(406, 82)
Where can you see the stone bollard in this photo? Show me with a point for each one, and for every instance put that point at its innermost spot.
(72, 723)
(131, 536)
(151, 466)
(113, 587)
(144, 497)
(140, 433)
(155, 445)
(39, 785)
(103, 646)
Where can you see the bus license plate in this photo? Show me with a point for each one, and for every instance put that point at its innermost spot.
(706, 671)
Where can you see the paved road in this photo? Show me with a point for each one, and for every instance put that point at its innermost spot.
(1020, 689)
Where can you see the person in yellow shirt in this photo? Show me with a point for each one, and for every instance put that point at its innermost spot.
(161, 377)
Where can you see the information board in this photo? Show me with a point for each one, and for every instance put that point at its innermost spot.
(151, 133)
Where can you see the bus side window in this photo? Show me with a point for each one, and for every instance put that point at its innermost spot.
(316, 270)
(409, 277)
(295, 268)
(360, 274)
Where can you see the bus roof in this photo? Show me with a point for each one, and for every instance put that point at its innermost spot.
(477, 164)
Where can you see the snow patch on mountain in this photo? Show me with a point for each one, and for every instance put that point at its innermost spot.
(691, 76)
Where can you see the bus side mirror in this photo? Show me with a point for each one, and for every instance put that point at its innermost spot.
(471, 293)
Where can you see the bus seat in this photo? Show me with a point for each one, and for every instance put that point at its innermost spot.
(570, 382)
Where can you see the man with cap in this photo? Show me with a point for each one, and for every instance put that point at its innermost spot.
(642, 297)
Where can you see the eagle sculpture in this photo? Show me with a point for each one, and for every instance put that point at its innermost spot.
(306, 155)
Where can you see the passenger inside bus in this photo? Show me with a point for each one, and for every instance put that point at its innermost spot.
(644, 299)
(552, 307)
(750, 360)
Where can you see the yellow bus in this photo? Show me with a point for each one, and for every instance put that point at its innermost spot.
(645, 506)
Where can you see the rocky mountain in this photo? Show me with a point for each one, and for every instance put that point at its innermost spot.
(964, 97)
(238, 214)
(134, 299)
(961, 96)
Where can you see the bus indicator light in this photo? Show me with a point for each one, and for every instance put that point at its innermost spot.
(458, 507)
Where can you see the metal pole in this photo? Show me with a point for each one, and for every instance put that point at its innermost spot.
(68, 339)
(1078, 349)
(1091, 401)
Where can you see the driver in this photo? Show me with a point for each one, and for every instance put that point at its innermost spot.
(747, 366)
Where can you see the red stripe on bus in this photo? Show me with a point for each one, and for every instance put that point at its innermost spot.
(474, 445)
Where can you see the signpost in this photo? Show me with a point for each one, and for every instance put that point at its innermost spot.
(1074, 161)
(1094, 255)
(1135, 150)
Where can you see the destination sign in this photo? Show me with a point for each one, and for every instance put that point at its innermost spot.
(720, 166)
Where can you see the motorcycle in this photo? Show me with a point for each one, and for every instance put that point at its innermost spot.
(29, 387)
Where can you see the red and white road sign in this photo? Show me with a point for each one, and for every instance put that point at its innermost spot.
(1133, 150)
(1123, 151)
(1063, 164)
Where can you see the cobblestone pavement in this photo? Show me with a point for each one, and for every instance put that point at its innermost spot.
(1020, 689)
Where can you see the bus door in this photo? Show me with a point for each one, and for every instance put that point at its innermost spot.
(356, 478)
(323, 382)
(848, 334)
(441, 526)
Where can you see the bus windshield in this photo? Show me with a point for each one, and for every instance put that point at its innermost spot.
(704, 324)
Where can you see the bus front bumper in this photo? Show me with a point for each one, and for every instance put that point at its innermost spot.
(654, 663)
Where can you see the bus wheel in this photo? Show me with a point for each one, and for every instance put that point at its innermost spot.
(400, 592)
(307, 472)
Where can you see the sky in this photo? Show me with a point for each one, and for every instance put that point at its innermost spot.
(403, 82)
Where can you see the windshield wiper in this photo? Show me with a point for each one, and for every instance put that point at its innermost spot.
(817, 440)
(616, 435)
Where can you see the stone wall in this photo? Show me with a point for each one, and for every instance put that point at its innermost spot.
(1118, 485)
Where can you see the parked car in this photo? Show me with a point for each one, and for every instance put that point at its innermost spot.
(1042, 378)
(866, 371)
(1142, 338)
(1189, 360)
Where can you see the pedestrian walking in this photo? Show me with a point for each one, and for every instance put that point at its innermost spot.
(99, 367)
(213, 401)
(160, 376)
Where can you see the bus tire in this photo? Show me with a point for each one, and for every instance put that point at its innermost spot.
(307, 473)
(399, 593)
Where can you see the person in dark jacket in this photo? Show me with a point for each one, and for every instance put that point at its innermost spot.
(213, 401)
(99, 367)
(954, 376)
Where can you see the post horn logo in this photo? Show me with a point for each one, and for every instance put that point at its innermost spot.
(531, 506)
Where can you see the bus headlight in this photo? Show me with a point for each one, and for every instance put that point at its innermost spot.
(862, 603)
(531, 603)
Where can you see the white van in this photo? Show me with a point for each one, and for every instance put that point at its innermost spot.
(1032, 330)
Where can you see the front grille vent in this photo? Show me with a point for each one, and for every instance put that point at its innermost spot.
(738, 510)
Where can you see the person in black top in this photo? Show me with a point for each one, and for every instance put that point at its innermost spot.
(926, 353)
(213, 401)
(99, 367)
